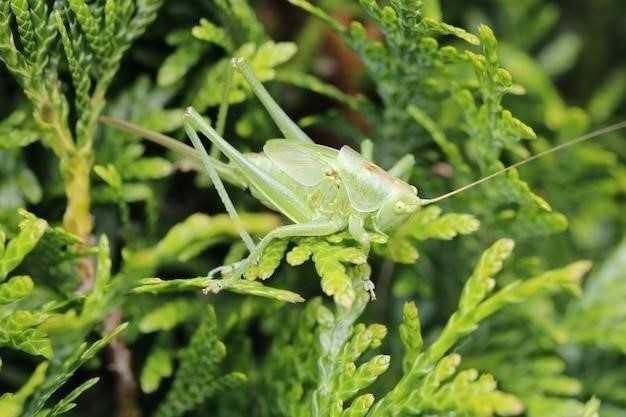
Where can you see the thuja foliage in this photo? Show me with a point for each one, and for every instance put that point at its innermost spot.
(486, 305)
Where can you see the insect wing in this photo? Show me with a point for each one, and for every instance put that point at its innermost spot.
(306, 164)
(263, 163)
(366, 183)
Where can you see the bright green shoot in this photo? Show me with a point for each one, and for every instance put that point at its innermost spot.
(320, 189)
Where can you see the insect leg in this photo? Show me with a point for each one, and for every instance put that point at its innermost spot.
(219, 185)
(287, 126)
(227, 172)
(263, 182)
(402, 169)
(367, 149)
(222, 112)
(313, 228)
(357, 230)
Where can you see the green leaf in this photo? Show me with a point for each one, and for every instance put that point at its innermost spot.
(17, 332)
(11, 405)
(91, 28)
(109, 175)
(429, 224)
(148, 168)
(101, 296)
(178, 64)
(66, 403)
(359, 406)
(158, 285)
(268, 56)
(31, 230)
(270, 260)
(435, 26)
(197, 376)
(262, 59)
(167, 316)
(158, 365)
(592, 408)
(190, 237)
(560, 54)
(21, 12)
(56, 379)
(567, 278)
(15, 132)
(353, 381)
(410, 334)
(330, 262)
(597, 318)
(15, 289)
(608, 96)
(482, 282)
(341, 343)
(319, 13)
(211, 33)
(260, 290)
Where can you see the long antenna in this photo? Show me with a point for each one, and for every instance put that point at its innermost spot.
(591, 135)
(153, 136)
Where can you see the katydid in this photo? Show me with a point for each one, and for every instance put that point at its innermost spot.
(322, 190)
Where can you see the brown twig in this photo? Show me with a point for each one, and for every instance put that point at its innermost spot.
(126, 389)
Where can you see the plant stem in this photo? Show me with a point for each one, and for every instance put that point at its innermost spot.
(126, 390)
(75, 170)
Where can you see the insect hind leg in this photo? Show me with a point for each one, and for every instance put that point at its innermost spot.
(288, 127)
(217, 181)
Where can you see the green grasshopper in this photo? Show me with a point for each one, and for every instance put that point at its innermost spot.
(322, 190)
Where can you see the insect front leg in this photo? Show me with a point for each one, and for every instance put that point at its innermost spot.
(356, 228)
(313, 228)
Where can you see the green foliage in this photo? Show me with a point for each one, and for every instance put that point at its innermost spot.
(594, 312)
(59, 375)
(472, 105)
(432, 381)
(105, 244)
(31, 230)
(427, 224)
(19, 328)
(158, 366)
(343, 270)
(195, 379)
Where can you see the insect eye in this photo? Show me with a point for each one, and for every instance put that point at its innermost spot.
(399, 207)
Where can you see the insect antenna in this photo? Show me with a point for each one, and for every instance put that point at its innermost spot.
(591, 135)
(151, 135)
(174, 145)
